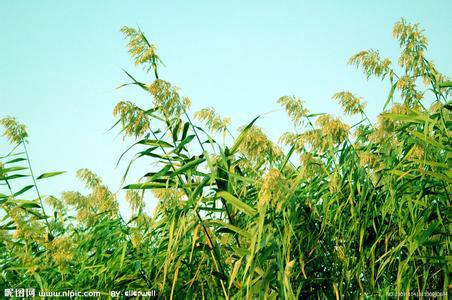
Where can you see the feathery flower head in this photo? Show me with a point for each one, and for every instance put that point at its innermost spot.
(140, 49)
(170, 197)
(436, 107)
(295, 108)
(134, 120)
(26, 227)
(212, 120)
(416, 152)
(274, 190)
(334, 182)
(33, 269)
(256, 145)
(405, 82)
(186, 102)
(91, 180)
(56, 203)
(14, 131)
(400, 109)
(413, 43)
(85, 216)
(350, 103)
(136, 238)
(412, 38)
(134, 199)
(102, 199)
(166, 97)
(333, 127)
(367, 159)
(292, 139)
(74, 199)
(382, 130)
(371, 63)
(143, 220)
(314, 139)
(361, 131)
(311, 166)
(62, 248)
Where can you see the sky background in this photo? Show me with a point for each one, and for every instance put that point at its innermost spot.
(60, 62)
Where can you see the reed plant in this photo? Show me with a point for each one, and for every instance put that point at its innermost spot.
(330, 210)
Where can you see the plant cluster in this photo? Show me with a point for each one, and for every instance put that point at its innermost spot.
(332, 210)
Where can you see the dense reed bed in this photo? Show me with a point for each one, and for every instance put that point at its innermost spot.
(330, 210)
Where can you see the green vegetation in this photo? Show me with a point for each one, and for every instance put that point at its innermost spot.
(330, 211)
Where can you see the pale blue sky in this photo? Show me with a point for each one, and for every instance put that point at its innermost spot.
(60, 62)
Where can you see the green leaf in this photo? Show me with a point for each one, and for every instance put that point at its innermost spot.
(12, 169)
(158, 143)
(412, 116)
(15, 176)
(437, 175)
(185, 130)
(51, 174)
(23, 190)
(187, 140)
(241, 251)
(160, 173)
(242, 135)
(15, 160)
(123, 254)
(140, 84)
(446, 84)
(188, 166)
(38, 280)
(431, 163)
(242, 206)
(145, 186)
(30, 204)
(427, 139)
(175, 130)
(236, 229)
(315, 115)
(390, 96)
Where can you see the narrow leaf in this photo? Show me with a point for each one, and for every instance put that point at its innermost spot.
(51, 174)
(242, 206)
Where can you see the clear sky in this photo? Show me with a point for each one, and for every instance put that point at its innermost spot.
(60, 62)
